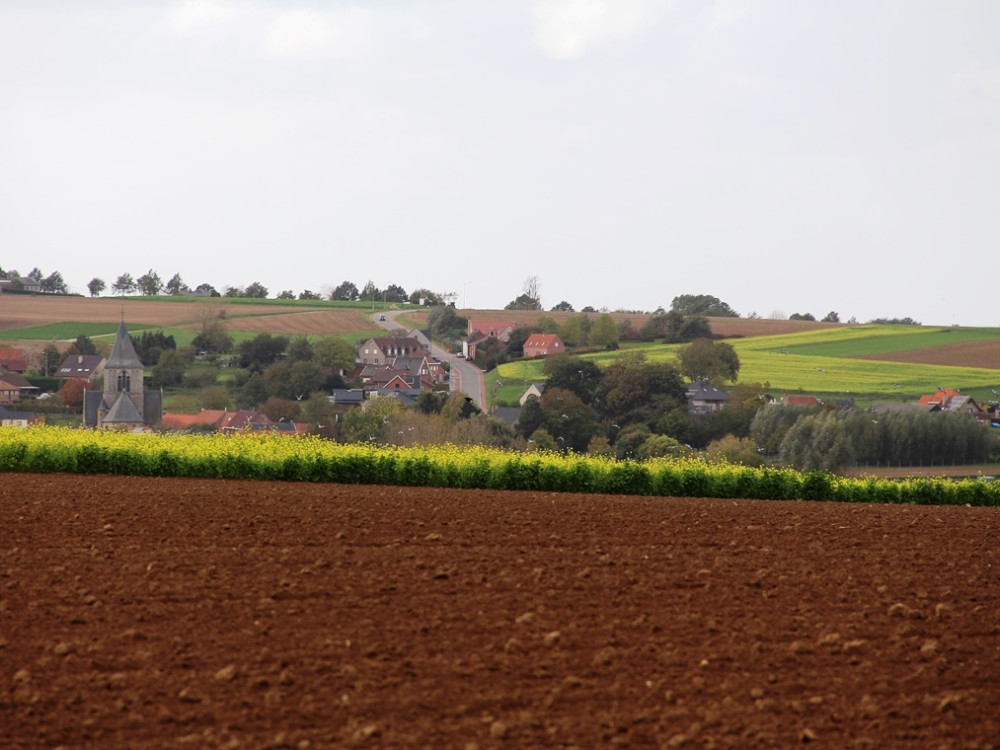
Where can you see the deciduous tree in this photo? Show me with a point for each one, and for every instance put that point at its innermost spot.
(704, 359)
(95, 286)
(124, 284)
(149, 283)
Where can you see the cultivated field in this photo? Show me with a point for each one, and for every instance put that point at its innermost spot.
(167, 613)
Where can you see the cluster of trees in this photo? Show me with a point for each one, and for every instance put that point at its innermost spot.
(811, 438)
(631, 408)
(51, 284)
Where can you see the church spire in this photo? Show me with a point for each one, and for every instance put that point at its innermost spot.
(123, 353)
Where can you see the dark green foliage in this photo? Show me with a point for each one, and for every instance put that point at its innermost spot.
(149, 345)
(261, 351)
(702, 304)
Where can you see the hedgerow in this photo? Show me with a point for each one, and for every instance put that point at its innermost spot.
(309, 459)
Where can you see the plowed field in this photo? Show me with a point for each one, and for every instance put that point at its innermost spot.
(164, 613)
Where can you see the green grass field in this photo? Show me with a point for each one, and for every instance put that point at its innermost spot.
(818, 362)
(66, 331)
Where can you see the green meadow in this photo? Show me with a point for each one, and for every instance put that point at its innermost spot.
(819, 362)
(65, 331)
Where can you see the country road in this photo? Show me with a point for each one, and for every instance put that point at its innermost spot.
(465, 377)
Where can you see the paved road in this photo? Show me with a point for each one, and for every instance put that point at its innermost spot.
(465, 377)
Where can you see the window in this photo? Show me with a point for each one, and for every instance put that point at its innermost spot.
(124, 381)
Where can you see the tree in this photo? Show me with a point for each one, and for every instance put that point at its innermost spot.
(395, 293)
(50, 359)
(445, 323)
(71, 394)
(169, 370)
(304, 378)
(299, 350)
(54, 284)
(124, 284)
(702, 304)
(310, 295)
(232, 291)
(176, 286)
(604, 333)
(832, 317)
(213, 339)
(802, 316)
(286, 294)
(633, 390)
(582, 377)
(149, 283)
(563, 306)
(704, 359)
(281, 409)
(529, 298)
(96, 286)
(425, 297)
(570, 421)
(694, 327)
(253, 392)
(346, 291)
(208, 289)
(261, 351)
(334, 353)
(255, 290)
(82, 345)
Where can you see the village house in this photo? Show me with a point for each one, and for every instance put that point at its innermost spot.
(377, 350)
(950, 399)
(704, 398)
(543, 345)
(85, 366)
(492, 328)
(535, 390)
(9, 418)
(21, 283)
(801, 401)
(13, 360)
(14, 387)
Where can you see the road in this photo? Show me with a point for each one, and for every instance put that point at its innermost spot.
(465, 377)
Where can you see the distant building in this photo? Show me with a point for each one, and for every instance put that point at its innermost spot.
(124, 403)
(704, 398)
(543, 344)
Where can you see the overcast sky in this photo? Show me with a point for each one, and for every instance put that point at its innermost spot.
(784, 156)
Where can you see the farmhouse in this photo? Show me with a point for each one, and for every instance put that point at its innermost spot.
(492, 329)
(124, 403)
(949, 399)
(543, 344)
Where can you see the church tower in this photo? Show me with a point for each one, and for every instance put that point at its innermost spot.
(124, 404)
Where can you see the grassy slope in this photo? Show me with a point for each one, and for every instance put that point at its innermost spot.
(819, 362)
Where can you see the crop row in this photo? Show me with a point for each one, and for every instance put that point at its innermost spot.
(252, 456)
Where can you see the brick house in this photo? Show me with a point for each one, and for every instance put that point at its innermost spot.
(543, 345)
(380, 349)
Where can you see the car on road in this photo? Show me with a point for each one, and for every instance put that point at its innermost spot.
(381, 317)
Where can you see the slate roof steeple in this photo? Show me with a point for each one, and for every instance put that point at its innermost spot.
(123, 354)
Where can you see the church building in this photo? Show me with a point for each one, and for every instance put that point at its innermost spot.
(123, 404)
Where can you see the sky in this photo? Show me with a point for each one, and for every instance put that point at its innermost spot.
(783, 156)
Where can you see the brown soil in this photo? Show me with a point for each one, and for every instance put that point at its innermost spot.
(971, 354)
(19, 311)
(163, 613)
(312, 323)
